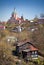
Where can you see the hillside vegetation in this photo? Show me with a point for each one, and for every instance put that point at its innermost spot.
(36, 37)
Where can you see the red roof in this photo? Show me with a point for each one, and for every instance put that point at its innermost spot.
(18, 18)
(32, 48)
(1, 26)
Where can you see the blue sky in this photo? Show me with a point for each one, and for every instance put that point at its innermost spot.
(29, 8)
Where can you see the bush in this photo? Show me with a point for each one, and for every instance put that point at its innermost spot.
(5, 56)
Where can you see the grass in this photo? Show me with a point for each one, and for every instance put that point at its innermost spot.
(8, 47)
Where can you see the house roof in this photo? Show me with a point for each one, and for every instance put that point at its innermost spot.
(18, 18)
(23, 42)
(32, 48)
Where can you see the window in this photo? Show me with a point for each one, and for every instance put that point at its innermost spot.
(33, 52)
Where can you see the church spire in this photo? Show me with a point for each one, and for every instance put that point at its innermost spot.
(14, 14)
(14, 11)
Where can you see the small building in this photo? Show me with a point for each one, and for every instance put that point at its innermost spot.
(17, 29)
(40, 21)
(2, 27)
(27, 50)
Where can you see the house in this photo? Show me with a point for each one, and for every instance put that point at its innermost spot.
(40, 21)
(2, 27)
(17, 29)
(27, 50)
(14, 29)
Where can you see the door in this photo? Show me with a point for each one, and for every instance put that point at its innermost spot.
(24, 54)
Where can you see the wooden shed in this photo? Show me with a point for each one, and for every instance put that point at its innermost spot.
(27, 50)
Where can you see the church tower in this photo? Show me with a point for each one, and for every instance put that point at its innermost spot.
(14, 14)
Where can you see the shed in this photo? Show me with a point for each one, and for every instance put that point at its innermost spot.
(26, 49)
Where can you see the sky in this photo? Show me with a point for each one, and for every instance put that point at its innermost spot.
(28, 8)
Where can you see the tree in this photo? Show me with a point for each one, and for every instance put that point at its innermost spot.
(35, 19)
(5, 56)
(38, 38)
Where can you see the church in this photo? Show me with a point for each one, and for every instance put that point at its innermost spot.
(15, 19)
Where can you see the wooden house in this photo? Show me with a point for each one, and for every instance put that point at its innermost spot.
(27, 50)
